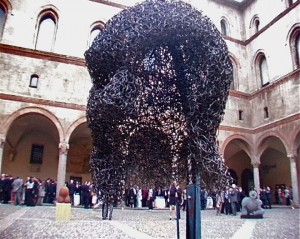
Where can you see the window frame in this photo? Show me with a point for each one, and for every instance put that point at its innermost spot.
(294, 42)
(44, 15)
(40, 155)
(262, 82)
(31, 84)
(6, 7)
(224, 27)
(97, 25)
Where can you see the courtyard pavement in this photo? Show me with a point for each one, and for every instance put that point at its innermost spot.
(40, 222)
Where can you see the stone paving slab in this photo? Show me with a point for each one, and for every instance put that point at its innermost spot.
(39, 223)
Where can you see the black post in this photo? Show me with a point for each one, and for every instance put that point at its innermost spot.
(177, 218)
(193, 212)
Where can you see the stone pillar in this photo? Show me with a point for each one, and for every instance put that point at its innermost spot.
(256, 176)
(62, 166)
(2, 141)
(294, 179)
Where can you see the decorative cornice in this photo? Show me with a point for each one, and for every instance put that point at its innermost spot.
(42, 102)
(49, 56)
(256, 130)
(262, 128)
(280, 81)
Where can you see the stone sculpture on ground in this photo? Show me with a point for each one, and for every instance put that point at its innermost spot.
(251, 206)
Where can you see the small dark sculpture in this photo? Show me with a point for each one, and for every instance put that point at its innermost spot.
(161, 75)
(251, 206)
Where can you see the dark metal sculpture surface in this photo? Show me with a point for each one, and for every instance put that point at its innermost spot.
(161, 75)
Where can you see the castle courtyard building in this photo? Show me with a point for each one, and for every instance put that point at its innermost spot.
(44, 86)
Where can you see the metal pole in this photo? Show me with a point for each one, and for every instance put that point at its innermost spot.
(177, 219)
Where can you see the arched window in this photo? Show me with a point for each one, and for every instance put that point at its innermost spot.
(295, 46)
(289, 3)
(255, 24)
(224, 27)
(234, 83)
(46, 32)
(95, 31)
(3, 14)
(263, 71)
(297, 50)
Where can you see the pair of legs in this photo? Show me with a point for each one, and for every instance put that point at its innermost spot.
(107, 210)
(172, 211)
(219, 208)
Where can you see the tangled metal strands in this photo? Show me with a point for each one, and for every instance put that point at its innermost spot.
(161, 75)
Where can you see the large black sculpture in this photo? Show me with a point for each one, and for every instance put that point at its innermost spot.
(161, 74)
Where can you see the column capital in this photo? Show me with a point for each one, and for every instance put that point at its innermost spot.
(2, 141)
(63, 148)
(292, 158)
(255, 164)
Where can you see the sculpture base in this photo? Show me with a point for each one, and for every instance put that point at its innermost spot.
(63, 211)
(252, 216)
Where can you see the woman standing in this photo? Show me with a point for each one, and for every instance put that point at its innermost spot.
(172, 199)
(150, 199)
(219, 202)
(29, 197)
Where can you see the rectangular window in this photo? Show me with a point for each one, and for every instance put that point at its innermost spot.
(37, 152)
(34, 80)
(266, 113)
(241, 117)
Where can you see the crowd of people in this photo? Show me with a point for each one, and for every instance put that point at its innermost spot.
(30, 192)
(34, 191)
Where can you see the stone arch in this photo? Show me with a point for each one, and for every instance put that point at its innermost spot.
(237, 152)
(237, 137)
(264, 136)
(7, 5)
(29, 130)
(274, 167)
(5, 10)
(295, 142)
(79, 140)
(29, 110)
(73, 126)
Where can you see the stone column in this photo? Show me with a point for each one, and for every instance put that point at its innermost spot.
(62, 166)
(2, 141)
(256, 176)
(294, 179)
